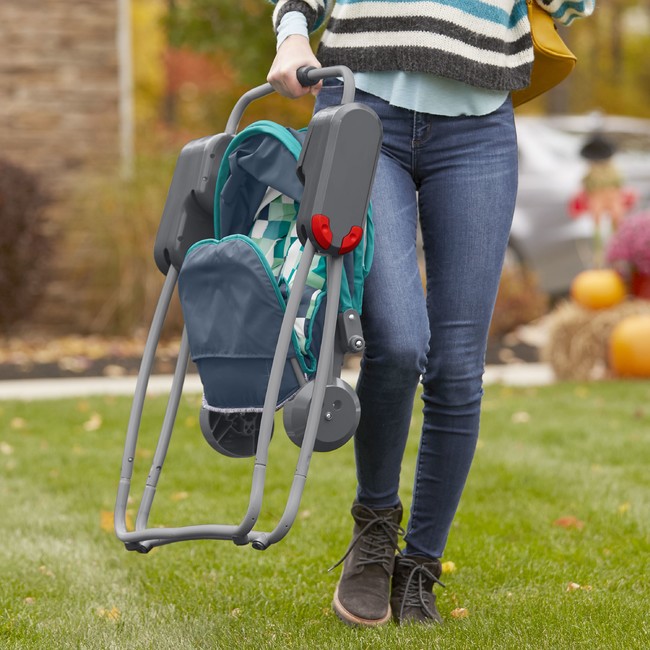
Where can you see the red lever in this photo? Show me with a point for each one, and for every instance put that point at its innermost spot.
(351, 240)
(320, 227)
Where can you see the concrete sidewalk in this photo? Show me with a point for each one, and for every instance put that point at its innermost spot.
(520, 374)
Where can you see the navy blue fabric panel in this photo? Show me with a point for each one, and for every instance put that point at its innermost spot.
(230, 303)
(259, 162)
(233, 313)
(222, 392)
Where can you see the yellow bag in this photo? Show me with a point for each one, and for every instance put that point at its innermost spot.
(554, 61)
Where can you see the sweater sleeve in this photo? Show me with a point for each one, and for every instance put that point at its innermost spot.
(565, 11)
(313, 10)
(292, 23)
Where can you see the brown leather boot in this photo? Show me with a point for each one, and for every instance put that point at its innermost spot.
(362, 595)
(412, 600)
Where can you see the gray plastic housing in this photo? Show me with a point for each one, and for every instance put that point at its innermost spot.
(188, 215)
(337, 166)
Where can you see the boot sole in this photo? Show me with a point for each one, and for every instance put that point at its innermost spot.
(356, 621)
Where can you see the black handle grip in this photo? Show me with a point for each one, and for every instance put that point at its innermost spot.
(310, 76)
(303, 76)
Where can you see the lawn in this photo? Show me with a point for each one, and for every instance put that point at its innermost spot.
(551, 545)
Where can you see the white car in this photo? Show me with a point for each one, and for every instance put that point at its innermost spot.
(544, 237)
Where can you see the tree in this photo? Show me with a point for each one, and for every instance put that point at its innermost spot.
(239, 29)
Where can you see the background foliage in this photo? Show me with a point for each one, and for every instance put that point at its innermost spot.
(194, 58)
(25, 244)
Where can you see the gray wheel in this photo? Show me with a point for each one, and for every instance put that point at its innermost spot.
(338, 421)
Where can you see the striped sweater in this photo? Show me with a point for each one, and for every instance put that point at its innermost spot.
(484, 43)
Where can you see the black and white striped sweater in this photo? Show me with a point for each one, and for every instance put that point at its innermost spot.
(484, 43)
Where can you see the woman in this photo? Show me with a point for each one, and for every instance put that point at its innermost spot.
(438, 73)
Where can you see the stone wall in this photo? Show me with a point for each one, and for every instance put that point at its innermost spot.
(59, 106)
(59, 96)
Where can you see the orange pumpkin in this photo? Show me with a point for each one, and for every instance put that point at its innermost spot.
(629, 346)
(598, 288)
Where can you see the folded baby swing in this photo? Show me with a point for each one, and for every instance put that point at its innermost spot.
(268, 234)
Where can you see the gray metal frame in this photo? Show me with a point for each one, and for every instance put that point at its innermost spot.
(184, 222)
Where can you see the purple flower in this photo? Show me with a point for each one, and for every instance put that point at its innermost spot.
(631, 243)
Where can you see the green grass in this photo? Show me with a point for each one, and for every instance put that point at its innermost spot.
(569, 450)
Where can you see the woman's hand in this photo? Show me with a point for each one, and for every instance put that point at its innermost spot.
(295, 52)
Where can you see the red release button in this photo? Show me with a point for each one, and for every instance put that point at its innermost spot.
(351, 240)
(320, 227)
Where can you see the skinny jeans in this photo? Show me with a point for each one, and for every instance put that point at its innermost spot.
(458, 177)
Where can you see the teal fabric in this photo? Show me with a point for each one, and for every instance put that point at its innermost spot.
(257, 200)
(352, 289)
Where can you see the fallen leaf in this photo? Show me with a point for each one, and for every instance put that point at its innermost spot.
(520, 417)
(18, 423)
(459, 612)
(94, 423)
(45, 571)
(569, 522)
(304, 514)
(29, 600)
(74, 364)
(112, 614)
(180, 496)
(572, 586)
(106, 521)
(6, 449)
(113, 370)
(448, 567)
(235, 613)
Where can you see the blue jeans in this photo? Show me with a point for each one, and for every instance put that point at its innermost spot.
(458, 175)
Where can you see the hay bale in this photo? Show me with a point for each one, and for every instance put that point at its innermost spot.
(578, 341)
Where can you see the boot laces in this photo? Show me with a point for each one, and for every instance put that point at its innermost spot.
(415, 590)
(379, 535)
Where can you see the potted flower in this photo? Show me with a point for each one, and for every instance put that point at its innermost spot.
(629, 247)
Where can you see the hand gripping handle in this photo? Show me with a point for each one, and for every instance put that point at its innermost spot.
(307, 76)
(310, 76)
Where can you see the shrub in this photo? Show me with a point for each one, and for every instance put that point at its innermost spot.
(630, 244)
(25, 244)
(112, 278)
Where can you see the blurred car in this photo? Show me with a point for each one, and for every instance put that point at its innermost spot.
(544, 238)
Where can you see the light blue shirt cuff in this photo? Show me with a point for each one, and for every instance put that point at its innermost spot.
(292, 23)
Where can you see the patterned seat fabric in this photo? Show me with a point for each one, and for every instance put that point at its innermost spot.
(274, 232)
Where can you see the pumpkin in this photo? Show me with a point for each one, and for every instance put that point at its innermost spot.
(629, 346)
(598, 288)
